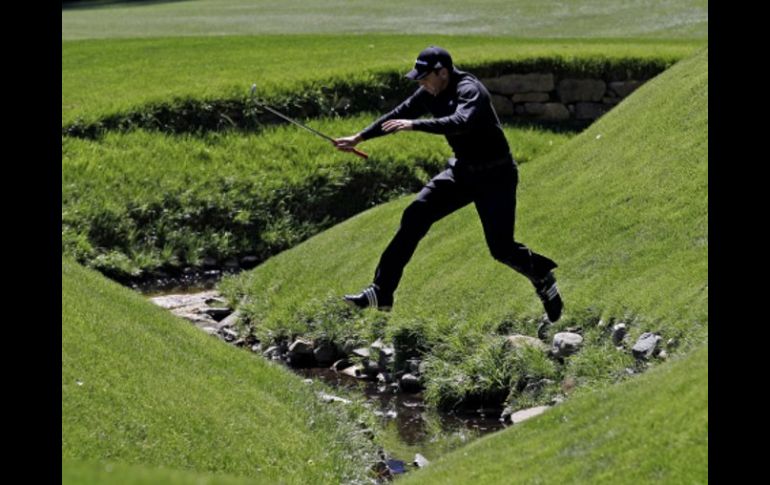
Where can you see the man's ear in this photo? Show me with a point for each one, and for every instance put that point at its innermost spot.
(443, 73)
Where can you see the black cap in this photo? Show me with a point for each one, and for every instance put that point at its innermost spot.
(429, 60)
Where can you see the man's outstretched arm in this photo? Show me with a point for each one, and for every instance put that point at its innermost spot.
(470, 103)
(412, 107)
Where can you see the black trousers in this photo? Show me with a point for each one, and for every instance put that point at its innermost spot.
(493, 191)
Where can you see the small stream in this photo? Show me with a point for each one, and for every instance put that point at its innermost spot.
(407, 412)
(179, 286)
(408, 425)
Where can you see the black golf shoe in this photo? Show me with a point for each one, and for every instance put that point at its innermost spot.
(371, 296)
(548, 292)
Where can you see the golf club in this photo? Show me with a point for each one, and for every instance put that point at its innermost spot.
(279, 114)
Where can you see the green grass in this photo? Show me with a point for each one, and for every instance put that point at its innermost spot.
(148, 390)
(622, 208)
(523, 18)
(140, 201)
(651, 430)
(86, 472)
(159, 402)
(105, 77)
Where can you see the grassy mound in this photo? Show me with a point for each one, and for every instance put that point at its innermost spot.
(141, 387)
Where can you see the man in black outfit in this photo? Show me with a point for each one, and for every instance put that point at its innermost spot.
(482, 171)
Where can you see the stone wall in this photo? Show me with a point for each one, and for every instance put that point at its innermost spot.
(545, 97)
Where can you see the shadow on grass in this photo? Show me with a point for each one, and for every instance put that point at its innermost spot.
(89, 4)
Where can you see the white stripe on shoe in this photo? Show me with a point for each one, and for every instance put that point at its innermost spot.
(371, 295)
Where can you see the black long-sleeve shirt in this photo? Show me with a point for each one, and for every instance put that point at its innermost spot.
(462, 112)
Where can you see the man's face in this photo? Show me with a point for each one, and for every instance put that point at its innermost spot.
(435, 82)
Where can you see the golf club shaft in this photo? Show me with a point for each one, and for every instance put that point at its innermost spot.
(326, 137)
(277, 113)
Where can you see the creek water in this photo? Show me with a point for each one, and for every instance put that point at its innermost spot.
(409, 425)
(408, 418)
(177, 287)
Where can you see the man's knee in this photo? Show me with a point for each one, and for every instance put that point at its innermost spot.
(507, 254)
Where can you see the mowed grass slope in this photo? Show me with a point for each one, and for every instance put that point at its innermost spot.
(622, 208)
(105, 77)
(85, 472)
(651, 430)
(526, 18)
(143, 388)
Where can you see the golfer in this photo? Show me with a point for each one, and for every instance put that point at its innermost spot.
(482, 171)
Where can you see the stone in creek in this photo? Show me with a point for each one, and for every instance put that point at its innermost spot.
(525, 414)
(420, 461)
(410, 383)
(330, 398)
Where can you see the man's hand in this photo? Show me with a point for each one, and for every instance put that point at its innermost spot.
(346, 143)
(396, 125)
